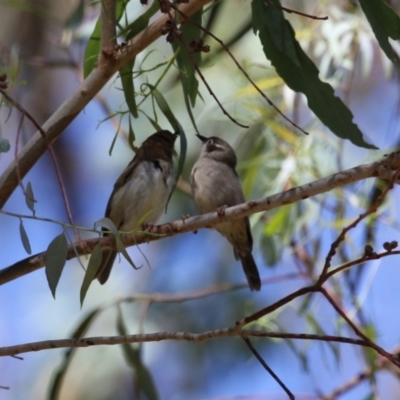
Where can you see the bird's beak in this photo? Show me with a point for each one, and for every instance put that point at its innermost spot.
(202, 138)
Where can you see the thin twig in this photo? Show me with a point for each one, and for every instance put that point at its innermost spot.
(363, 259)
(380, 364)
(291, 11)
(360, 334)
(362, 216)
(23, 111)
(196, 67)
(177, 336)
(241, 69)
(266, 366)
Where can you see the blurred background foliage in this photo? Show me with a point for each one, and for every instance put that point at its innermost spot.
(43, 45)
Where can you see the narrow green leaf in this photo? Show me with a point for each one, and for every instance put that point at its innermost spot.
(370, 355)
(24, 238)
(91, 271)
(152, 121)
(190, 32)
(141, 22)
(29, 197)
(92, 50)
(4, 145)
(109, 225)
(144, 383)
(182, 154)
(126, 72)
(300, 73)
(187, 71)
(132, 137)
(164, 107)
(56, 256)
(269, 249)
(59, 374)
(384, 22)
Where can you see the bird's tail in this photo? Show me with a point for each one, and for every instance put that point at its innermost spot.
(106, 265)
(251, 271)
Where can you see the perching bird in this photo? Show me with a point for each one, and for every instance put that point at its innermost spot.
(142, 191)
(215, 184)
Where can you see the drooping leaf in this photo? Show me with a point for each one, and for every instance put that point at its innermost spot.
(109, 225)
(4, 145)
(126, 71)
(56, 256)
(164, 107)
(269, 249)
(91, 271)
(92, 51)
(59, 374)
(384, 22)
(152, 121)
(131, 137)
(370, 355)
(300, 73)
(24, 238)
(143, 381)
(30, 198)
(186, 58)
(126, 74)
(182, 154)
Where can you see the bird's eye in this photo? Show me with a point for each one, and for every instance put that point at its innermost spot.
(210, 141)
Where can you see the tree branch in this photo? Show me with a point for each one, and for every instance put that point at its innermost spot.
(108, 28)
(160, 336)
(381, 168)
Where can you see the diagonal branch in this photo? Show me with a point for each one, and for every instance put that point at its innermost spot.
(108, 27)
(382, 168)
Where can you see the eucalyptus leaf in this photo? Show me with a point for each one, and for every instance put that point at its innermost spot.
(4, 145)
(384, 22)
(91, 271)
(29, 197)
(59, 374)
(24, 238)
(186, 58)
(126, 71)
(164, 107)
(143, 380)
(56, 256)
(300, 73)
(269, 248)
(109, 225)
